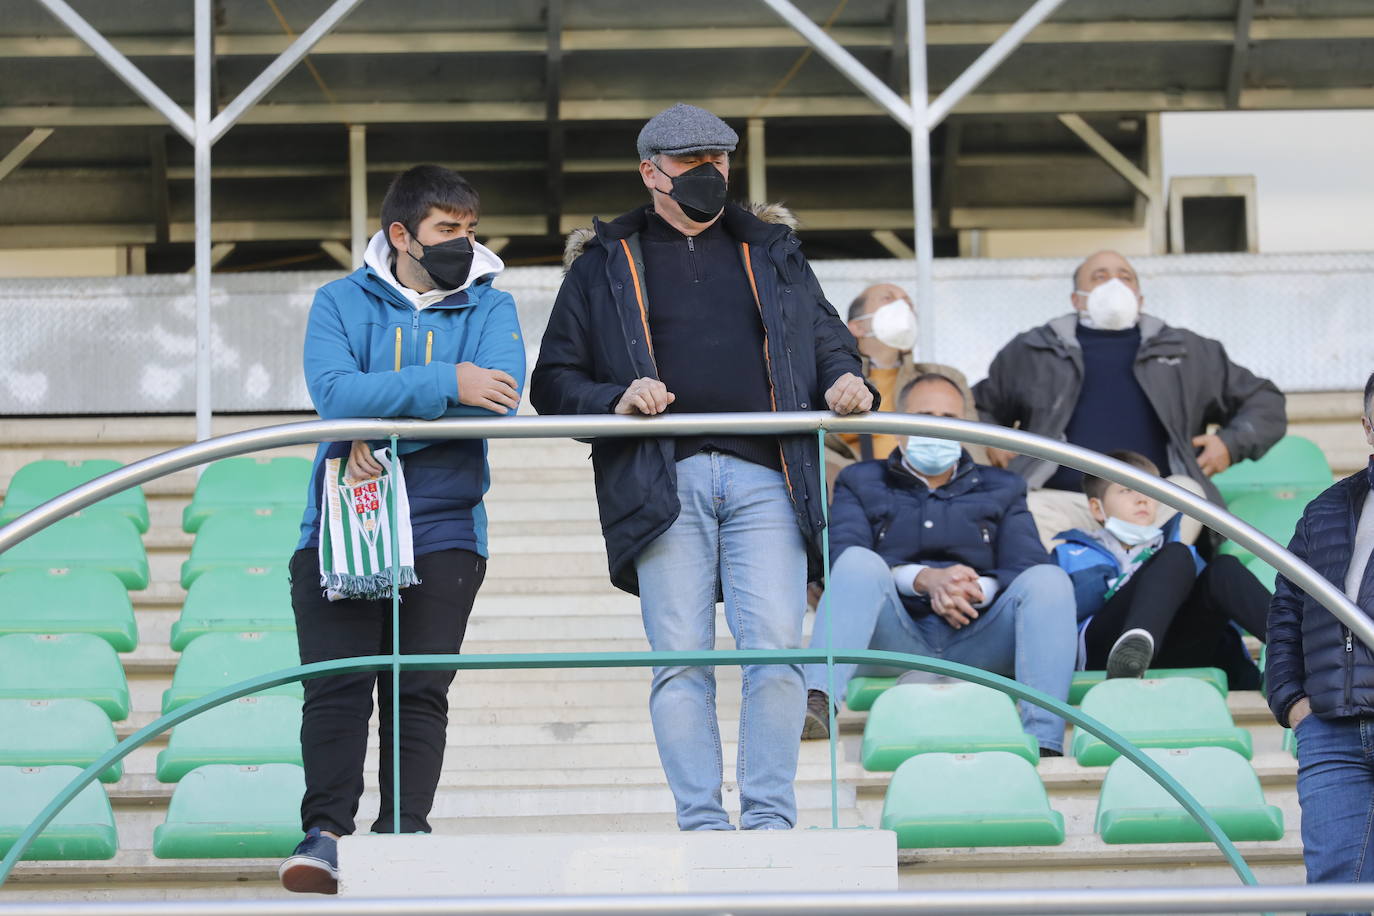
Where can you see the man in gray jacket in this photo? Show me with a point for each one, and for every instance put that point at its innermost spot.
(1107, 377)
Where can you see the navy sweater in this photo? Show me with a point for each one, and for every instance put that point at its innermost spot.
(1113, 411)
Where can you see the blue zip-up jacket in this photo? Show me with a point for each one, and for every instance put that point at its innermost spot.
(370, 353)
(1092, 567)
(979, 518)
(1311, 653)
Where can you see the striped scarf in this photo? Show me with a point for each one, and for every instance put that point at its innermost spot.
(355, 532)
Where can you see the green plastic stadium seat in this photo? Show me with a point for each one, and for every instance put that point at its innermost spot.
(257, 537)
(862, 691)
(85, 829)
(911, 719)
(249, 730)
(248, 483)
(1133, 808)
(39, 481)
(234, 600)
(1263, 572)
(1294, 463)
(1276, 516)
(986, 799)
(1083, 681)
(75, 666)
(1290, 742)
(232, 812)
(218, 660)
(42, 733)
(106, 542)
(68, 601)
(1172, 713)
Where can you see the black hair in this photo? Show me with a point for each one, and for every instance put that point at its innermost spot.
(922, 379)
(417, 190)
(856, 308)
(1094, 487)
(1368, 392)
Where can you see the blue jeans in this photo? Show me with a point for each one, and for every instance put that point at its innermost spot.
(1028, 633)
(1336, 792)
(737, 536)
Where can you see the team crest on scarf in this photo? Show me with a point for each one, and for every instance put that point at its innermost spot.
(360, 555)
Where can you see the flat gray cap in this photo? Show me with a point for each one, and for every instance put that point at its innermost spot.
(685, 129)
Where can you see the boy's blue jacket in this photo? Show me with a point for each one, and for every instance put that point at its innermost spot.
(370, 353)
(1092, 567)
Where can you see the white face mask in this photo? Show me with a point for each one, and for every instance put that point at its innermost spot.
(1113, 306)
(894, 325)
(1131, 534)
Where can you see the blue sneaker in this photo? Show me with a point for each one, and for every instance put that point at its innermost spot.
(314, 867)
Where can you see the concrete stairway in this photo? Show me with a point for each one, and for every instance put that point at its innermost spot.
(572, 751)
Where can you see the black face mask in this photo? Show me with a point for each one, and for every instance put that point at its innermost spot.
(447, 263)
(700, 192)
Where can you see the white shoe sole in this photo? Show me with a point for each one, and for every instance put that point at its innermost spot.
(1131, 654)
(308, 875)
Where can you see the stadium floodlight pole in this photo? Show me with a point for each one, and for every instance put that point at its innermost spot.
(992, 55)
(123, 68)
(284, 64)
(920, 175)
(843, 61)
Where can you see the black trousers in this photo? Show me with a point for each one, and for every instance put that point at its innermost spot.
(434, 617)
(1187, 614)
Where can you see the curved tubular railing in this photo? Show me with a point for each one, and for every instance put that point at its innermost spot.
(630, 660)
(691, 424)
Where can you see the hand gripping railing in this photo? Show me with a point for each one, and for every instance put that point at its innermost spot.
(685, 425)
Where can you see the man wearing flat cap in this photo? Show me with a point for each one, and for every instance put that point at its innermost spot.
(695, 305)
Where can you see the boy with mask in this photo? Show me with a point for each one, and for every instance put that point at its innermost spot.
(936, 555)
(1143, 597)
(418, 331)
(1109, 376)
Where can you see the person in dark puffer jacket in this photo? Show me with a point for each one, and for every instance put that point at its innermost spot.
(1320, 679)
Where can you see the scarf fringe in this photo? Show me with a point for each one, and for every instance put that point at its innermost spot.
(377, 585)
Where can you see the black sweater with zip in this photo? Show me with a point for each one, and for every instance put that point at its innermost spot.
(707, 334)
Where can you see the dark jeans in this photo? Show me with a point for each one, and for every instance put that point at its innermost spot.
(1336, 792)
(1188, 614)
(434, 616)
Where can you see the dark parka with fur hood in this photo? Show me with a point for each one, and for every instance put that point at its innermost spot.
(597, 343)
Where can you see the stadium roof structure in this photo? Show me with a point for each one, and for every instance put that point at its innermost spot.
(1028, 114)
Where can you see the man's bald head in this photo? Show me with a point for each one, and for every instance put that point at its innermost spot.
(874, 298)
(1100, 268)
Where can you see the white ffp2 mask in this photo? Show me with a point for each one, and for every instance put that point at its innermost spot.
(1113, 306)
(895, 325)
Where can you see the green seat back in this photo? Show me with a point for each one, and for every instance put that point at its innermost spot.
(1133, 808)
(249, 730)
(256, 537)
(985, 799)
(1276, 516)
(1170, 713)
(85, 829)
(218, 660)
(106, 542)
(43, 733)
(255, 482)
(1290, 742)
(1262, 571)
(1294, 463)
(39, 481)
(1083, 681)
(76, 666)
(911, 719)
(234, 599)
(68, 601)
(232, 812)
(862, 691)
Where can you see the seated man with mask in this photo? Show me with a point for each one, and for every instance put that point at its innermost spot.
(883, 320)
(1108, 377)
(937, 555)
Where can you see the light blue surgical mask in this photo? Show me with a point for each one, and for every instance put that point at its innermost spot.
(932, 456)
(1131, 534)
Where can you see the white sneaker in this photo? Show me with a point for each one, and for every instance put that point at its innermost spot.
(1131, 654)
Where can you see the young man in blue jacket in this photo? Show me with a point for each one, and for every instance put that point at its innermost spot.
(1144, 597)
(1320, 678)
(705, 306)
(418, 331)
(936, 555)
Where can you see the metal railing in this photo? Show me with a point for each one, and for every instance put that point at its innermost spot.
(684, 425)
